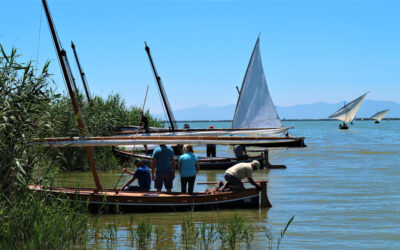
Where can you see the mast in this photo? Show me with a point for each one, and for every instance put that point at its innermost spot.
(70, 82)
(162, 91)
(83, 76)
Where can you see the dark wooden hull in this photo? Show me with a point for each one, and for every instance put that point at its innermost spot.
(206, 163)
(109, 201)
(297, 143)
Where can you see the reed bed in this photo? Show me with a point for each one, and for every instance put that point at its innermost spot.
(229, 233)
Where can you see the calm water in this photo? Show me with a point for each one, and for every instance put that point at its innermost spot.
(343, 189)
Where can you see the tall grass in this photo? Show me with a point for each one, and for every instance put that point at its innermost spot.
(40, 222)
(30, 220)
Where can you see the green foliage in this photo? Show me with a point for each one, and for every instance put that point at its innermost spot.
(102, 117)
(41, 222)
(25, 101)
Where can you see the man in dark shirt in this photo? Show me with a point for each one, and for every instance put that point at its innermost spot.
(163, 167)
(142, 173)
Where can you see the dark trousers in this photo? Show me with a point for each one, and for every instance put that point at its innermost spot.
(211, 150)
(233, 183)
(185, 181)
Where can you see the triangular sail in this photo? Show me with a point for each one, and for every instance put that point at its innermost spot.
(349, 111)
(380, 115)
(255, 108)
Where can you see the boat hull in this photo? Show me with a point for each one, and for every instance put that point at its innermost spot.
(109, 201)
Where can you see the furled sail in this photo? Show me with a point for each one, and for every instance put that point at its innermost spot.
(349, 111)
(380, 115)
(255, 108)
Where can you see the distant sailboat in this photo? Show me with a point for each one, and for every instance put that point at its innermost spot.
(255, 108)
(380, 115)
(348, 112)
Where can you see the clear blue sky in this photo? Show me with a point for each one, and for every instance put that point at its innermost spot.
(312, 51)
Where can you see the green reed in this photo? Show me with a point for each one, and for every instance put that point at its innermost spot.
(278, 239)
(110, 235)
(189, 232)
(143, 234)
(207, 233)
(159, 236)
(235, 230)
(248, 235)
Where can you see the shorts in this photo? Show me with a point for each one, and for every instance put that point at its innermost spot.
(163, 177)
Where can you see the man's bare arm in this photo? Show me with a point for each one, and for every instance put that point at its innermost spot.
(258, 186)
(128, 183)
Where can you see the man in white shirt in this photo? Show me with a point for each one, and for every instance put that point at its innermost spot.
(236, 173)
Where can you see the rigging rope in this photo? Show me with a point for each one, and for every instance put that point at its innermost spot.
(38, 46)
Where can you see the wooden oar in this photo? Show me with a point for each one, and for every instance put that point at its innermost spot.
(115, 187)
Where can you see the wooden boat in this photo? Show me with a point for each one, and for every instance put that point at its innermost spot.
(380, 115)
(348, 112)
(110, 201)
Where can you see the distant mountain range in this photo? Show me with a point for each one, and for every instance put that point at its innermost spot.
(319, 110)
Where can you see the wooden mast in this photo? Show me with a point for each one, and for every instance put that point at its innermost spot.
(69, 80)
(162, 92)
(83, 76)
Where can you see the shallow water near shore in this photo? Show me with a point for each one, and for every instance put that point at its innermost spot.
(343, 189)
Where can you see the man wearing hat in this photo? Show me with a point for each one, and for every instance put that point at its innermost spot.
(142, 174)
(236, 173)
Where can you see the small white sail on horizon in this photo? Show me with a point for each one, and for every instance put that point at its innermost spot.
(349, 111)
(255, 108)
(380, 115)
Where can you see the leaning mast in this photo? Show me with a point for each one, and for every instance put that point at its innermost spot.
(162, 91)
(70, 82)
(83, 76)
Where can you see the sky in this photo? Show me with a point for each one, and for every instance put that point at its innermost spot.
(312, 51)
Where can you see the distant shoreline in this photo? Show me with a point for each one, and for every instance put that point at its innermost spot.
(358, 119)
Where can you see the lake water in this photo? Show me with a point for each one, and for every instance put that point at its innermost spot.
(343, 189)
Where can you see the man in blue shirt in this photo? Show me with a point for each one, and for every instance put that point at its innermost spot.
(142, 174)
(164, 167)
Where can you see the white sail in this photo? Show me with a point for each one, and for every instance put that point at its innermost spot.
(349, 111)
(380, 115)
(255, 108)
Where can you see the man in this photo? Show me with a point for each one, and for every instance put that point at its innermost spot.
(211, 148)
(163, 166)
(142, 174)
(236, 173)
(240, 152)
